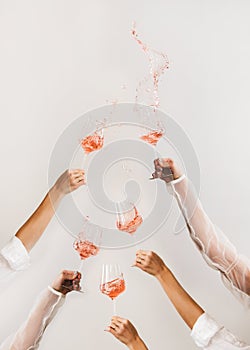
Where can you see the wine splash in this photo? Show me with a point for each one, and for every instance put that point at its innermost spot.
(85, 249)
(92, 142)
(158, 64)
(152, 138)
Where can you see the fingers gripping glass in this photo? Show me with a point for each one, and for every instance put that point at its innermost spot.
(165, 173)
(73, 284)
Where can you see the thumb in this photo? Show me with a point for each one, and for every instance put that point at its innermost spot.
(135, 264)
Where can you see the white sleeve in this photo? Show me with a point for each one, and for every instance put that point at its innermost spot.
(30, 333)
(208, 334)
(13, 257)
(214, 246)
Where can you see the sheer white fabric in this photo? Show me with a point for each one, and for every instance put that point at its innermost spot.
(29, 335)
(214, 246)
(13, 257)
(208, 334)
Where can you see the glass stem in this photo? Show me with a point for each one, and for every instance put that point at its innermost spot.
(81, 266)
(85, 164)
(114, 307)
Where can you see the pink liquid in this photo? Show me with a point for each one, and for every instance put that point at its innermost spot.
(158, 64)
(92, 143)
(113, 288)
(152, 138)
(85, 249)
(130, 226)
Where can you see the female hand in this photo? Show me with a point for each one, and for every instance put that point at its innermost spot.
(69, 181)
(149, 262)
(166, 170)
(124, 331)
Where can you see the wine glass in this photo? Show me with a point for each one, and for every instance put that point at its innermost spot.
(88, 242)
(93, 142)
(112, 282)
(128, 218)
(153, 136)
(153, 127)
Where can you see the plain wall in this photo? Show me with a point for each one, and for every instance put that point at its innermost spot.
(60, 59)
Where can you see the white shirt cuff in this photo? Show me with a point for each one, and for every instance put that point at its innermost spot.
(16, 254)
(176, 181)
(55, 292)
(204, 330)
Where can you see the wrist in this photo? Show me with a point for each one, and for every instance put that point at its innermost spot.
(56, 287)
(56, 194)
(177, 174)
(177, 180)
(137, 344)
(55, 291)
(163, 274)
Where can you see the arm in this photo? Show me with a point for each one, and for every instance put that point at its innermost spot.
(34, 227)
(206, 332)
(126, 333)
(214, 246)
(187, 308)
(30, 334)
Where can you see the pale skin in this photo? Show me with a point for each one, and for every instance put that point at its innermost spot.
(187, 308)
(34, 227)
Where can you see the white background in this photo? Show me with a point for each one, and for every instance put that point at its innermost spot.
(60, 59)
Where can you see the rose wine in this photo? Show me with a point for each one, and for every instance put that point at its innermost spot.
(85, 249)
(92, 142)
(128, 224)
(153, 137)
(113, 288)
(158, 64)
